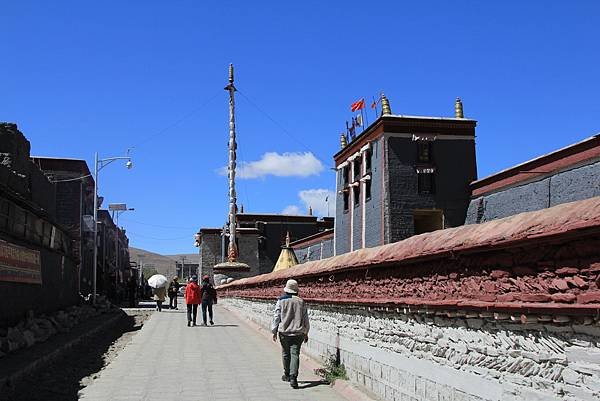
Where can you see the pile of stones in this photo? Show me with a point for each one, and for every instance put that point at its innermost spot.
(36, 329)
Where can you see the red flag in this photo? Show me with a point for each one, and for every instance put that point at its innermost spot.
(358, 105)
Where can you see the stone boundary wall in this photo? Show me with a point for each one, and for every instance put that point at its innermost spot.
(400, 355)
(504, 310)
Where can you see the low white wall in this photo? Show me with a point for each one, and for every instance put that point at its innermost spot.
(413, 357)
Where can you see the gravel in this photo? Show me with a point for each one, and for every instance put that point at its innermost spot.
(81, 364)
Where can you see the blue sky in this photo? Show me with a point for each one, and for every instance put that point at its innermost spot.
(79, 77)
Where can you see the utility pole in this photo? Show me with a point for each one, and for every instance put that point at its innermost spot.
(183, 267)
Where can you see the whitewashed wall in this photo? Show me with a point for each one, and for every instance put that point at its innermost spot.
(411, 356)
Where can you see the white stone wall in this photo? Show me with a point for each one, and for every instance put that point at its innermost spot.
(409, 356)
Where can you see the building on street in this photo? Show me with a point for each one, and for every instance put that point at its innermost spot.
(565, 175)
(403, 175)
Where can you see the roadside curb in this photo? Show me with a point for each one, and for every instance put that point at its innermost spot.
(345, 388)
(55, 354)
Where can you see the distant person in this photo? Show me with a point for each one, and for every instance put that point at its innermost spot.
(209, 297)
(173, 292)
(159, 297)
(290, 321)
(192, 299)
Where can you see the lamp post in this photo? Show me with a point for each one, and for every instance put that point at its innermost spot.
(99, 164)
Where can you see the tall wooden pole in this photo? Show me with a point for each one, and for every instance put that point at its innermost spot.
(232, 252)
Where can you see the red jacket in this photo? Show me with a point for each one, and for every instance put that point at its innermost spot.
(192, 293)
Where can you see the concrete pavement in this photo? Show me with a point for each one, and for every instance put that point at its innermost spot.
(230, 361)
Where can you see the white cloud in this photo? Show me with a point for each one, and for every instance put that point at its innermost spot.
(291, 210)
(319, 199)
(279, 165)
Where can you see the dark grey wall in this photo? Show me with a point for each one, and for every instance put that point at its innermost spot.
(325, 245)
(210, 254)
(373, 212)
(374, 207)
(58, 288)
(567, 186)
(27, 206)
(455, 168)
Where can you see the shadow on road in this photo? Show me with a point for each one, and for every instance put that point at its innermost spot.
(314, 383)
(64, 377)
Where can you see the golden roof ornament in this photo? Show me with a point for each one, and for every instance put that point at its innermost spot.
(386, 110)
(458, 109)
(343, 141)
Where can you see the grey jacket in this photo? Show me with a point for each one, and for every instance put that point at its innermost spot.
(290, 317)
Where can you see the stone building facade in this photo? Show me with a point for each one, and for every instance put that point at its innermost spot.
(315, 247)
(260, 237)
(74, 200)
(38, 270)
(404, 175)
(566, 175)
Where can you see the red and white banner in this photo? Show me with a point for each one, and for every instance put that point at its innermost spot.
(19, 264)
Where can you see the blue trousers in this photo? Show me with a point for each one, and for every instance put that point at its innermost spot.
(207, 305)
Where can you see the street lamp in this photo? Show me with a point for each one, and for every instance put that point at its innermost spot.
(99, 164)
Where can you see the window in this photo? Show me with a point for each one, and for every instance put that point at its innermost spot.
(346, 175)
(356, 193)
(426, 183)
(357, 171)
(368, 160)
(346, 200)
(368, 189)
(424, 151)
(425, 221)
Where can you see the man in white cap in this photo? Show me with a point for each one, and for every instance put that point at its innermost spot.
(290, 321)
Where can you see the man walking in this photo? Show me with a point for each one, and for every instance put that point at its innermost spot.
(208, 295)
(290, 321)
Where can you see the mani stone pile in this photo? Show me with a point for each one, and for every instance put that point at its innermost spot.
(37, 329)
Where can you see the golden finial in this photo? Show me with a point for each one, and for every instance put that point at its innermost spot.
(458, 109)
(287, 240)
(343, 141)
(385, 105)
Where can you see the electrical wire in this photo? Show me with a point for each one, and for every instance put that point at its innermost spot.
(157, 225)
(72, 179)
(158, 239)
(177, 122)
(285, 131)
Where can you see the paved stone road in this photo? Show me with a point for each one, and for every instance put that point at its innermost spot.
(167, 361)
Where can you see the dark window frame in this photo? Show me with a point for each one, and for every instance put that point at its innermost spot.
(357, 168)
(424, 152)
(426, 183)
(356, 195)
(346, 200)
(368, 161)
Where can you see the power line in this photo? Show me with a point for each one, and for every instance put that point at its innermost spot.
(177, 122)
(72, 179)
(157, 225)
(285, 131)
(155, 238)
